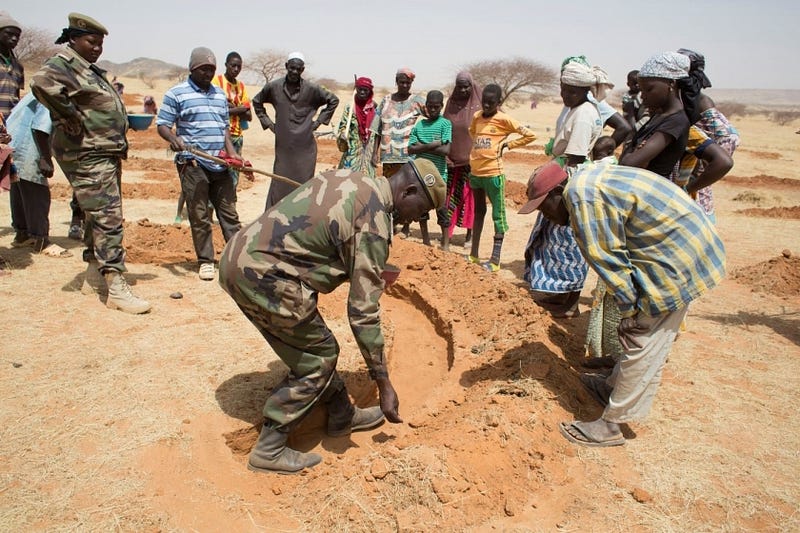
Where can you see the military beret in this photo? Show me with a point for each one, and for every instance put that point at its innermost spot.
(87, 24)
(433, 184)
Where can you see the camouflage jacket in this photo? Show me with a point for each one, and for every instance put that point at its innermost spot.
(334, 228)
(77, 92)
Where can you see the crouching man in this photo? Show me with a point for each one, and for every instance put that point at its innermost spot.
(335, 228)
(655, 250)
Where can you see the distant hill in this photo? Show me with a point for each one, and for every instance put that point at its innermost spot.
(758, 98)
(144, 66)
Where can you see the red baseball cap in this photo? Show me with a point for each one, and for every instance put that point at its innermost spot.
(543, 180)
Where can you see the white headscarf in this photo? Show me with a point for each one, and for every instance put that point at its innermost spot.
(603, 83)
(578, 75)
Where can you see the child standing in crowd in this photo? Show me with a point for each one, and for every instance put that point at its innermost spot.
(489, 130)
(603, 151)
(430, 139)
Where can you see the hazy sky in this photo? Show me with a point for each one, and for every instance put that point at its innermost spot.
(743, 41)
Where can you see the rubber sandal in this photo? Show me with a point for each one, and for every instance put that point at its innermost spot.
(54, 250)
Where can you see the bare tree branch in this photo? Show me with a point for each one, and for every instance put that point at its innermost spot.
(269, 64)
(512, 75)
(35, 46)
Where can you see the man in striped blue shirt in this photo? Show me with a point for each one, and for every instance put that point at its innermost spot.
(656, 250)
(198, 111)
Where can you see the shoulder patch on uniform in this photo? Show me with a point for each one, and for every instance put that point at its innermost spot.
(64, 56)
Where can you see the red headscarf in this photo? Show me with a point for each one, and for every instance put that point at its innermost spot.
(364, 109)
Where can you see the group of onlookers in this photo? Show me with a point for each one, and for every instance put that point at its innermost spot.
(636, 223)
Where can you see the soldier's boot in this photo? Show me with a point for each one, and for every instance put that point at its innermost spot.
(270, 454)
(93, 282)
(344, 418)
(120, 295)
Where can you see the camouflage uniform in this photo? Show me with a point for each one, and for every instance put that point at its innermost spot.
(333, 229)
(77, 92)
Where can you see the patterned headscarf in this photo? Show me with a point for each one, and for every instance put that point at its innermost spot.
(407, 72)
(667, 65)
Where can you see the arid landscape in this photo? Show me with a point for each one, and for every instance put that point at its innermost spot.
(113, 422)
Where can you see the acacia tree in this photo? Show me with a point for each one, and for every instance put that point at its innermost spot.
(513, 75)
(269, 64)
(35, 46)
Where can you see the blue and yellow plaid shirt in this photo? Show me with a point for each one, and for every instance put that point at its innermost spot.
(644, 236)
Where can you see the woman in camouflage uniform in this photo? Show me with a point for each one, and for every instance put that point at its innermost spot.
(89, 126)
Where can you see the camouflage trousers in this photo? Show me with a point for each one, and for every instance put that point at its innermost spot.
(97, 183)
(285, 313)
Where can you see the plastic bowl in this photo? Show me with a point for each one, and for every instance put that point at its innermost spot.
(140, 121)
(390, 274)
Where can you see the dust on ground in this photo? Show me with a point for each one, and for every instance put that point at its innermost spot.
(112, 421)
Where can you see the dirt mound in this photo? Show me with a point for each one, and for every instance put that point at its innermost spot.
(779, 276)
(762, 181)
(516, 193)
(486, 420)
(529, 156)
(773, 212)
(157, 244)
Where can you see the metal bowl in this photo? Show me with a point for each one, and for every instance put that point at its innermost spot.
(140, 121)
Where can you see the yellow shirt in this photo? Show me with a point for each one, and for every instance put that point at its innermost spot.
(237, 96)
(488, 135)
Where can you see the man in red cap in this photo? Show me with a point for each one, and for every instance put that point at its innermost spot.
(655, 250)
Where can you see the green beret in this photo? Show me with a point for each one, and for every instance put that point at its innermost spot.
(86, 24)
(432, 183)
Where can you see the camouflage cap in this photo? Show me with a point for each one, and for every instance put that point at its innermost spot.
(433, 184)
(86, 24)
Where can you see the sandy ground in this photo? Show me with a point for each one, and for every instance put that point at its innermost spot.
(143, 423)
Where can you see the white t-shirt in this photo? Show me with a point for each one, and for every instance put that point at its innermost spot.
(578, 131)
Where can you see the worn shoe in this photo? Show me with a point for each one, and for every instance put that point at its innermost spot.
(75, 232)
(207, 271)
(362, 420)
(120, 295)
(490, 267)
(474, 260)
(22, 240)
(270, 454)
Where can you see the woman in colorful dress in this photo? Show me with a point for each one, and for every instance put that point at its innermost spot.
(353, 134)
(712, 121)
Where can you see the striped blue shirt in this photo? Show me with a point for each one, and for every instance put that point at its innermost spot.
(644, 236)
(200, 119)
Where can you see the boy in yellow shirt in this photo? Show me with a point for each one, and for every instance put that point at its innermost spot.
(489, 130)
